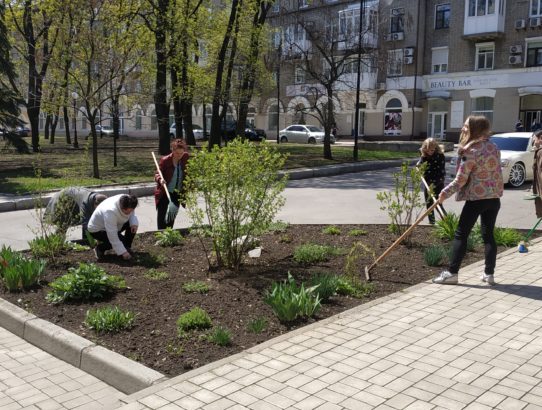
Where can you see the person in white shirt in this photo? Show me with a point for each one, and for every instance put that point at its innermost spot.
(114, 224)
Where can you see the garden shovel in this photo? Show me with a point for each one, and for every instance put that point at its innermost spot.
(399, 240)
(439, 208)
(172, 209)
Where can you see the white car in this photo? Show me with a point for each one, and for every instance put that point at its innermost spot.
(196, 129)
(517, 157)
(305, 134)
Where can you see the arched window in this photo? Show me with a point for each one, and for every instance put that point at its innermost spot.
(299, 116)
(138, 120)
(393, 117)
(483, 106)
(272, 117)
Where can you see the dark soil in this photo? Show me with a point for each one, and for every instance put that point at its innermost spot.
(234, 299)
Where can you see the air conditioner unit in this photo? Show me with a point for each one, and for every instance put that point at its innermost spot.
(515, 59)
(520, 24)
(535, 22)
(408, 52)
(516, 49)
(408, 60)
(395, 36)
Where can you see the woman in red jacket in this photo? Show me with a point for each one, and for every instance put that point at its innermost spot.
(173, 168)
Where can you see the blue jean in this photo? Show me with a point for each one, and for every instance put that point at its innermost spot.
(487, 210)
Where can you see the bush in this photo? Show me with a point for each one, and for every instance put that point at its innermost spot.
(357, 232)
(196, 318)
(326, 285)
(19, 272)
(331, 230)
(257, 325)
(507, 236)
(196, 287)
(289, 301)
(47, 246)
(312, 253)
(434, 254)
(109, 319)
(168, 237)
(242, 193)
(278, 227)
(7, 257)
(445, 228)
(220, 336)
(66, 213)
(154, 274)
(356, 288)
(86, 282)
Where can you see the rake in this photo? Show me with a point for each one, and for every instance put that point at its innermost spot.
(172, 209)
(439, 208)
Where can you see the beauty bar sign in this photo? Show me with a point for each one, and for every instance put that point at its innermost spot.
(465, 83)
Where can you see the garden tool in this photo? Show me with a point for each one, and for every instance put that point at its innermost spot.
(172, 209)
(439, 208)
(522, 246)
(399, 240)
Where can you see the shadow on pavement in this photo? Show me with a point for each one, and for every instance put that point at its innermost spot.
(527, 291)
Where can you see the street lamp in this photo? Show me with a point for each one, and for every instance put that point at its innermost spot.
(279, 59)
(358, 79)
(75, 96)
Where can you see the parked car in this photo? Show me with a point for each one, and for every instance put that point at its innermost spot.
(229, 132)
(196, 129)
(301, 133)
(516, 157)
(23, 131)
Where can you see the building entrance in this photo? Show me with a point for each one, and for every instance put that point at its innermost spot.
(530, 118)
(437, 125)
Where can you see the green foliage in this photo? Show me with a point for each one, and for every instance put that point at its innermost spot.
(354, 287)
(290, 301)
(7, 257)
(278, 227)
(17, 271)
(434, 255)
(74, 246)
(326, 284)
(66, 213)
(285, 238)
(242, 193)
(471, 243)
(357, 232)
(90, 239)
(154, 274)
(197, 318)
(507, 236)
(445, 228)
(196, 287)
(150, 260)
(109, 319)
(404, 202)
(312, 253)
(168, 237)
(331, 230)
(48, 246)
(220, 336)
(351, 284)
(86, 282)
(257, 325)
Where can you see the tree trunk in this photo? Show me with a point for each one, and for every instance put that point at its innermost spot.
(116, 126)
(66, 124)
(328, 124)
(54, 123)
(160, 94)
(46, 129)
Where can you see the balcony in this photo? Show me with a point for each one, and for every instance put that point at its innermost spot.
(484, 24)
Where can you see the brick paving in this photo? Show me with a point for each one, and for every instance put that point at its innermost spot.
(33, 379)
(469, 346)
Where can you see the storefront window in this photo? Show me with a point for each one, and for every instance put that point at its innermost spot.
(393, 117)
(272, 117)
(483, 106)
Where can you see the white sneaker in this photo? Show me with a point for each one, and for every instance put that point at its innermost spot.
(489, 279)
(446, 278)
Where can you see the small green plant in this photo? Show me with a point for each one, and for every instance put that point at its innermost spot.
(220, 336)
(47, 246)
(150, 260)
(168, 237)
(90, 240)
(357, 232)
(19, 272)
(196, 287)
(285, 238)
(507, 236)
(326, 284)
(86, 282)
(154, 274)
(331, 230)
(312, 253)
(76, 247)
(290, 301)
(354, 287)
(434, 255)
(109, 319)
(445, 228)
(257, 325)
(7, 257)
(278, 227)
(173, 349)
(471, 243)
(197, 318)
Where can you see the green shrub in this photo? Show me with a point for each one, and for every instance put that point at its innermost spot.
(109, 319)
(241, 189)
(289, 301)
(257, 325)
(7, 257)
(47, 246)
(507, 236)
(312, 253)
(168, 237)
(434, 254)
(74, 246)
(220, 336)
(154, 274)
(357, 232)
(196, 318)
(196, 287)
(356, 288)
(445, 228)
(86, 282)
(21, 273)
(278, 227)
(326, 284)
(331, 230)
(471, 243)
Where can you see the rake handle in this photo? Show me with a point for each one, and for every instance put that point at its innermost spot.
(439, 208)
(161, 176)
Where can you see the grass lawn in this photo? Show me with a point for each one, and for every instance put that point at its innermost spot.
(60, 165)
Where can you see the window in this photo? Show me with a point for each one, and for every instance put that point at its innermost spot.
(481, 7)
(442, 16)
(84, 123)
(299, 76)
(483, 106)
(138, 120)
(273, 117)
(536, 7)
(302, 4)
(534, 54)
(276, 6)
(397, 24)
(349, 24)
(154, 122)
(484, 56)
(395, 63)
(439, 60)
(350, 66)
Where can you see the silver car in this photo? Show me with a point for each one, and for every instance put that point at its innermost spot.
(196, 129)
(305, 134)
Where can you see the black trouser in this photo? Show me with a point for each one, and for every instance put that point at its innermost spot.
(125, 235)
(161, 210)
(487, 209)
(429, 200)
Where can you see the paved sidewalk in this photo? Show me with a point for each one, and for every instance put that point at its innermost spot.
(33, 379)
(431, 346)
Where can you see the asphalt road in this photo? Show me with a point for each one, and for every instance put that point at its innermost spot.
(342, 199)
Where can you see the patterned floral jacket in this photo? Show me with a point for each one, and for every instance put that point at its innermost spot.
(479, 174)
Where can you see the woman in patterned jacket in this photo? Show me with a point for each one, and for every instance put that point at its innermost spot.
(479, 183)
